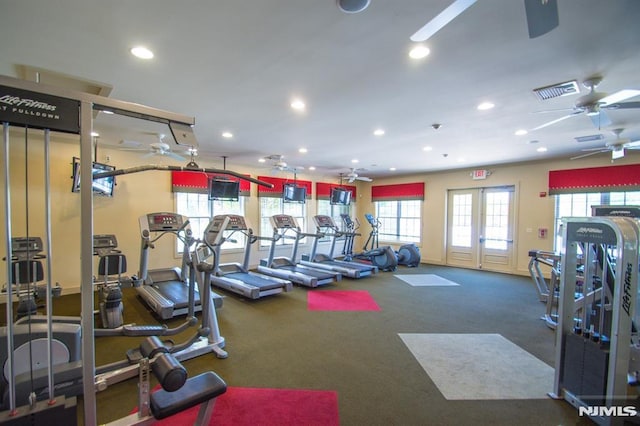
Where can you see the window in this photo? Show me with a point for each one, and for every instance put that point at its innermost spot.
(497, 219)
(335, 211)
(199, 209)
(579, 205)
(270, 206)
(399, 220)
(462, 216)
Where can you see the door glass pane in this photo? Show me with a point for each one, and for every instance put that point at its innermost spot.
(461, 228)
(496, 230)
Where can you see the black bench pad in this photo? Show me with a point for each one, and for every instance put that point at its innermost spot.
(196, 390)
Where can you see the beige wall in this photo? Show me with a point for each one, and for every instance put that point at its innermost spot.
(135, 195)
(141, 193)
(532, 211)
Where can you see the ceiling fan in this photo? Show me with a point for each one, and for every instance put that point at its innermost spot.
(617, 147)
(594, 104)
(155, 148)
(353, 176)
(279, 165)
(542, 17)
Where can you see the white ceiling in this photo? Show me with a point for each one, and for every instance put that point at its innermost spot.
(235, 65)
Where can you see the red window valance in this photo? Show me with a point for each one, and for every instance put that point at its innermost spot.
(198, 182)
(595, 179)
(278, 186)
(323, 190)
(401, 191)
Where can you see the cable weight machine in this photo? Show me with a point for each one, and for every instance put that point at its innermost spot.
(597, 345)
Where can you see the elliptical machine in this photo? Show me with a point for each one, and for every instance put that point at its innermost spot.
(407, 254)
(382, 257)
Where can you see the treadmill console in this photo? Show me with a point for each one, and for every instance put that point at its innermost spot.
(236, 223)
(282, 221)
(347, 220)
(164, 222)
(324, 221)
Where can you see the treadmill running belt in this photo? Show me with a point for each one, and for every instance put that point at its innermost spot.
(254, 280)
(177, 292)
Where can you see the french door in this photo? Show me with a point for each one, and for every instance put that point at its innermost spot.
(480, 223)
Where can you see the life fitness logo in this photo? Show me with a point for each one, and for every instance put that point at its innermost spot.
(27, 106)
(604, 411)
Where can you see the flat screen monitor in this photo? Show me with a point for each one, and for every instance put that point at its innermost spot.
(222, 189)
(293, 193)
(340, 196)
(103, 186)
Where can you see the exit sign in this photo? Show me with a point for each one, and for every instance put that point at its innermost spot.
(479, 174)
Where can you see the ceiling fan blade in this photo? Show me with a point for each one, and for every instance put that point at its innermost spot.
(364, 179)
(174, 156)
(619, 96)
(442, 19)
(557, 120)
(622, 105)
(600, 120)
(351, 179)
(632, 145)
(148, 155)
(589, 154)
(542, 16)
(595, 149)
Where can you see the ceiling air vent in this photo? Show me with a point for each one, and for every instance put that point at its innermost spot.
(590, 138)
(557, 90)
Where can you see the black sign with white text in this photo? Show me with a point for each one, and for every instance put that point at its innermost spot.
(38, 110)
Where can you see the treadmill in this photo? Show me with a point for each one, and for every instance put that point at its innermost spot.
(236, 277)
(286, 267)
(326, 226)
(168, 291)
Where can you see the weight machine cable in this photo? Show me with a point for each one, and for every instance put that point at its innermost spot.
(47, 227)
(26, 212)
(7, 208)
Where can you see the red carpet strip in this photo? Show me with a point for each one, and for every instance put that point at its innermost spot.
(337, 300)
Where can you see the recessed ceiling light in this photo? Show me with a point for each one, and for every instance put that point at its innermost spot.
(303, 150)
(461, 160)
(521, 132)
(261, 160)
(485, 106)
(378, 132)
(355, 160)
(227, 135)
(141, 52)
(427, 148)
(298, 105)
(418, 52)
(312, 167)
(393, 169)
(542, 149)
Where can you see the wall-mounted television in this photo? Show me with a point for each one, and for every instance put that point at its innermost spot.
(223, 189)
(340, 196)
(293, 193)
(102, 186)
